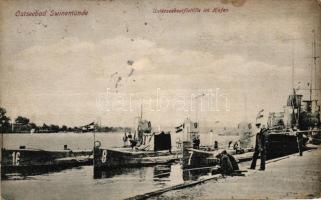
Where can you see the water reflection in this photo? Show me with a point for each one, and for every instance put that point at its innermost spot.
(25, 173)
(162, 172)
(194, 175)
(110, 173)
(168, 174)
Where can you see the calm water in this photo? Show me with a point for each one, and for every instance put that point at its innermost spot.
(79, 183)
(84, 141)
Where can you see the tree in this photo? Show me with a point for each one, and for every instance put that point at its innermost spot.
(64, 128)
(54, 128)
(4, 121)
(21, 124)
(44, 128)
(76, 129)
(22, 120)
(33, 126)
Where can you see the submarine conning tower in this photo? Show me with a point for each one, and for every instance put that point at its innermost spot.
(303, 114)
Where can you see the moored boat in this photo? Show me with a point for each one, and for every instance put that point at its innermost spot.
(300, 120)
(147, 148)
(28, 160)
(299, 117)
(195, 156)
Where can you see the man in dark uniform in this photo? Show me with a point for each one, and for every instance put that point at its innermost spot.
(196, 142)
(215, 145)
(260, 147)
(300, 141)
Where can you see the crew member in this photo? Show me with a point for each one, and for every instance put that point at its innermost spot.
(236, 146)
(125, 139)
(230, 143)
(215, 145)
(133, 143)
(300, 141)
(130, 136)
(196, 142)
(228, 163)
(260, 147)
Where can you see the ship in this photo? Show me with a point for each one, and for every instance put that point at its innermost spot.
(204, 156)
(298, 117)
(25, 160)
(147, 147)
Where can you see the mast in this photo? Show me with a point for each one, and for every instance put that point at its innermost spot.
(196, 111)
(296, 118)
(315, 57)
(245, 107)
(141, 111)
(310, 85)
(292, 73)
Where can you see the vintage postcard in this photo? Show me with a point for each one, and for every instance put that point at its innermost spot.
(170, 99)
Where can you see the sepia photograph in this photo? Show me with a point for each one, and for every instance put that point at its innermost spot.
(169, 99)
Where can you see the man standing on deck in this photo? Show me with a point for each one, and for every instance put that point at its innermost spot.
(196, 142)
(260, 147)
(125, 139)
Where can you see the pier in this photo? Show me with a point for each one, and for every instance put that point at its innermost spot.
(287, 177)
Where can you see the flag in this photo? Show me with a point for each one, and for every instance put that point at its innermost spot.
(179, 128)
(259, 114)
(298, 85)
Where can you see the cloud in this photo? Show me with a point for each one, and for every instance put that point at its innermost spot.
(74, 66)
(68, 75)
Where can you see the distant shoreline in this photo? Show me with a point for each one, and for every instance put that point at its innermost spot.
(51, 133)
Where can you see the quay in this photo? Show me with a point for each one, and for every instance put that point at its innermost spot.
(288, 177)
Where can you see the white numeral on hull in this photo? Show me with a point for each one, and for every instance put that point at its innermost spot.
(104, 156)
(15, 158)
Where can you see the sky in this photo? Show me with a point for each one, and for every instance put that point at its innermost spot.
(101, 67)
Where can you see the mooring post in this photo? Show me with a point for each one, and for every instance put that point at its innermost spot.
(186, 154)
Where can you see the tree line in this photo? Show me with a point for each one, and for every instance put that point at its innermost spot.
(24, 125)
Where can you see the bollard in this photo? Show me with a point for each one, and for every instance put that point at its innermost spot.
(186, 154)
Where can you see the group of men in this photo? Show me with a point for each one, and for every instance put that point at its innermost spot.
(228, 162)
(261, 142)
(129, 140)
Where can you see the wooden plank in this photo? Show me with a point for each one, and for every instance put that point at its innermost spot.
(175, 187)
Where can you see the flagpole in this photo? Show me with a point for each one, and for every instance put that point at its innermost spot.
(94, 150)
(99, 121)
